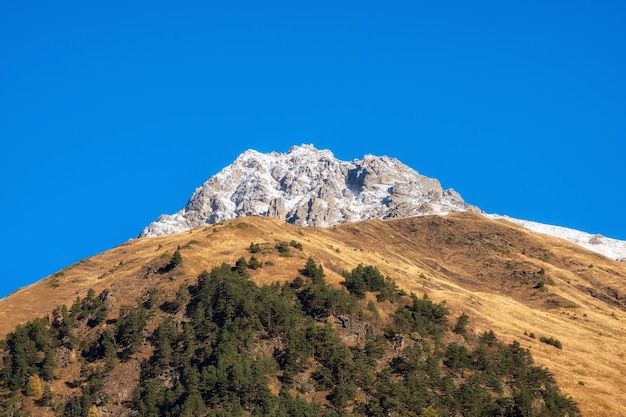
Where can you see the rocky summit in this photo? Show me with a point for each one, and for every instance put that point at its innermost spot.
(310, 187)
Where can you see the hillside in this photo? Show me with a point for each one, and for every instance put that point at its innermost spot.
(524, 286)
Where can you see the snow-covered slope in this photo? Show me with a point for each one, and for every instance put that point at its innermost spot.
(310, 187)
(611, 248)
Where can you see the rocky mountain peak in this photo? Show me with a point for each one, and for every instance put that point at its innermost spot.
(310, 187)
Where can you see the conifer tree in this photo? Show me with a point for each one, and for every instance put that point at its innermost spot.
(461, 325)
(313, 272)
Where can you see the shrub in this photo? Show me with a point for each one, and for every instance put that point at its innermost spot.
(241, 265)
(177, 259)
(282, 248)
(551, 341)
(254, 263)
(295, 244)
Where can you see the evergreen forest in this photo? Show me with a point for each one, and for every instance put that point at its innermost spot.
(225, 346)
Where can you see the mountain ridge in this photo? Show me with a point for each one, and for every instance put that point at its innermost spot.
(310, 187)
(542, 292)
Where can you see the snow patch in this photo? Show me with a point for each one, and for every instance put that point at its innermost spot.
(611, 248)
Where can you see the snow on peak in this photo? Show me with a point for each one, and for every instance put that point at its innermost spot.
(310, 150)
(310, 187)
(307, 186)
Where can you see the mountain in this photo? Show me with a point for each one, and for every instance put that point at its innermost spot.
(310, 187)
(125, 346)
(240, 304)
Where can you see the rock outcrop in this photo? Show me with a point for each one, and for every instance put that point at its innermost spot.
(310, 187)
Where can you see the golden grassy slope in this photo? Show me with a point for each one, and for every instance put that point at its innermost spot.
(485, 268)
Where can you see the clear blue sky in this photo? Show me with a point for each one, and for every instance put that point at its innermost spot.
(112, 113)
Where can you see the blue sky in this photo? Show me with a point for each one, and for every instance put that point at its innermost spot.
(112, 113)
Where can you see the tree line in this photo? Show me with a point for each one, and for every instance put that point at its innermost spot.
(225, 346)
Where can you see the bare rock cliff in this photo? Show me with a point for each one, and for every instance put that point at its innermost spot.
(310, 187)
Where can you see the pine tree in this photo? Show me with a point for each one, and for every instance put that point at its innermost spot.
(241, 265)
(313, 272)
(461, 325)
(254, 263)
(48, 365)
(182, 297)
(176, 260)
(109, 350)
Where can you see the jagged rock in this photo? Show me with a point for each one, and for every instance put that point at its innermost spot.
(277, 208)
(310, 187)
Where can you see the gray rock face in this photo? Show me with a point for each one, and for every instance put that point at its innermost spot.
(310, 187)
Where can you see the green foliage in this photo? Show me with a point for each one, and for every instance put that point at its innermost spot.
(540, 285)
(368, 278)
(224, 341)
(457, 358)
(371, 306)
(461, 325)
(488, 338)
(175, 260)
(129, 329)
(62, 323)
(25, 353)
(254, 263)
(150, 299)
(283, 249)
(295, 244)
(422, 316)
(313, 272)
(241, 265)
(91, 308)
(255, 248)
(182, 297)
(551, 341)
(320, 300)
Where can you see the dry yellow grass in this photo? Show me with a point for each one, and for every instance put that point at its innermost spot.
(485, 268)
